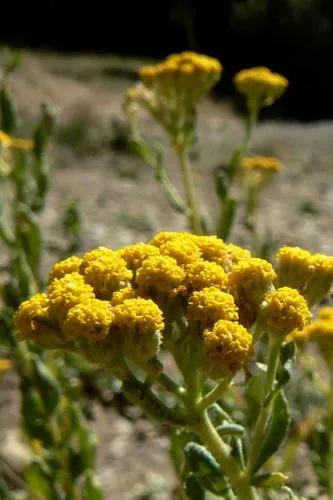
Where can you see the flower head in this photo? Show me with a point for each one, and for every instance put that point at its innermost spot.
(284, 311)
(67, 292)
(123, 294)
(202, 274)
(263, 164)
(134, 255)
(140, 322)
(33, 322)
(66, 266)
(320, 332)
(159, 274)
(105, 271)
(226, 346)
(260, 86)
(311, 274)
(248, 282)
(210, 305)
(185, 76)
(90, 319)
(183, 250)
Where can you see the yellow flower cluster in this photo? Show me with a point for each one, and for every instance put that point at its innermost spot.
(118, 304)
(188, 75)
(260, 86)
(261, 164)
(170, 91)
(311, 274)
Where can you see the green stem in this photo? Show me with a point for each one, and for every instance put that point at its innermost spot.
(222, 453)
(215, 394)
(191, 196)
(259, 431)
(330, 436)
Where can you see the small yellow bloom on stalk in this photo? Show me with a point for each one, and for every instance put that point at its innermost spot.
(66, 266)
(106, 273)
(263, 164)
(134, 255)
(210, 305)
(284, 311)
(260, 86)
(33, 322)
(140, 322)
(90, 319)
(212, 248)
(226, 346)
(67, 292)
(159, 274)
(121, 295)
(5, 139)
(183, 77)
(311, 274)
(95, 255)
(184, 251)
(294, 267)
(248, 282)
(202, 274)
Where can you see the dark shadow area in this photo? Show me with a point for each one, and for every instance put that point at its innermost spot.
(294, 37)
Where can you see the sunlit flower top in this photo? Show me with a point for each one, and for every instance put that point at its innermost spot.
(260, 86)
(118, 305)
(262, 164)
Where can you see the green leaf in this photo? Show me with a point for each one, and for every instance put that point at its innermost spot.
(205, 469)
(47, 385)
(230, 429)
(82, 448)
(276, 429)
(29, 234)
(91, 488)
(270, 480)
(222, 183)
(287, 357)
(41, 482)
(33, 414)
(8, 112)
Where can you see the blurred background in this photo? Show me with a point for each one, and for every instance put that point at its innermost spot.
(80, 57)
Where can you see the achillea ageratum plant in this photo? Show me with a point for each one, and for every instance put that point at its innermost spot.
(171, 91)
(206, 303)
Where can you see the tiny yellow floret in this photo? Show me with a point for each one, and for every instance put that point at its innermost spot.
(202, 274)
(140, 322)
(210, 305)
(106, 272)
(67, 292)
(227, 346)
(66, 266)
(159, 274)
(134, 255)
(183, 250)
(123, 294)
(284, 311)
(90, 319)
(30, 311)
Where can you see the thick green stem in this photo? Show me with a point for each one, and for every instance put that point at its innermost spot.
(222, 453)
(215, 394)
(330, 436)
(194, 218)
(259, 431)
